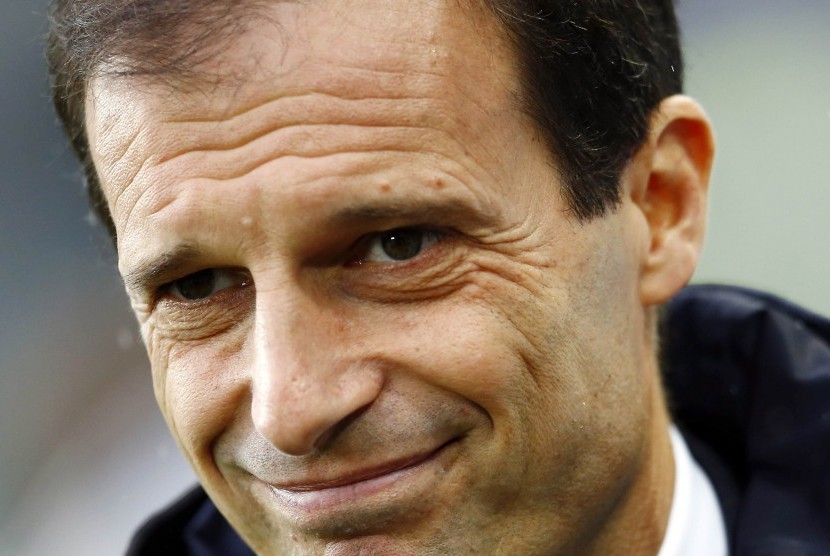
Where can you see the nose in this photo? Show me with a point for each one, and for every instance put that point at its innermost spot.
(308, 379)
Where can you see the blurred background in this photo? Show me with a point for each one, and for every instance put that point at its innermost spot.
(84, 454)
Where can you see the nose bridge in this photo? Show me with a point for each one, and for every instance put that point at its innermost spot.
(305, 378)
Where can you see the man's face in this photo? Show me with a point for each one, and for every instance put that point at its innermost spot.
(372, 320)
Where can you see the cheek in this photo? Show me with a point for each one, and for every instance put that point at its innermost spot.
(200, 388)
(493, 344)
(557, 352)
(462, 347)
(603, 366)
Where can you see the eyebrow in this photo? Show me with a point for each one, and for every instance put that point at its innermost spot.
(161, 269)
(169, 265)
(384, 210)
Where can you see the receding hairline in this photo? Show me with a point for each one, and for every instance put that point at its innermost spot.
(623, 59)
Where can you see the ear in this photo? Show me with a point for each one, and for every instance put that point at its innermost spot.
(669, 179)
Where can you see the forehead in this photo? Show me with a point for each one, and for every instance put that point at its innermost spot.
(383, 49)
(297, 70)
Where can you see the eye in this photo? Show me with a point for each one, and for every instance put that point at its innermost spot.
(205, 283)
(398, 245)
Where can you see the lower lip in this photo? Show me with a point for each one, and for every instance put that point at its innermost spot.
(411, 481)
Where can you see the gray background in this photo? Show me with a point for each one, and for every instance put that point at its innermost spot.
(84, 455)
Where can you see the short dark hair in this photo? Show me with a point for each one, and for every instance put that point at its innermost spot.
(593, 72)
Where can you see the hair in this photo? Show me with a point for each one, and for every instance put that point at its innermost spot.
(593, 72)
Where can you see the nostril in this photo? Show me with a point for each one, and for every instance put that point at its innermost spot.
(330, 436)
(303, 399)
(306, 429)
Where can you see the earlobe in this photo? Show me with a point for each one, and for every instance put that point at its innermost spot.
(672, 194)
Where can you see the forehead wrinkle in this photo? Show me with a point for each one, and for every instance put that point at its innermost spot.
(229, 114)
(130, 194)
(310, 143)
(131, 189)
(342, 89)
(370, 125)
(304, 141)
(115, 155)
(342, 175)
(345, 178)
(268, 103)
(325, 84)
(115, 131)
(361, 164)
(318, 194)
(306, 109)
(203, 128)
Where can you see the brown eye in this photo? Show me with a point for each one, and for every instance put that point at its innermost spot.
(399, 244)
(205, 283)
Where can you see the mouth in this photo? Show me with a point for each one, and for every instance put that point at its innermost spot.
(395, 481)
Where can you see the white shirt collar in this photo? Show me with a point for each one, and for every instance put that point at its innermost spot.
(696, 525)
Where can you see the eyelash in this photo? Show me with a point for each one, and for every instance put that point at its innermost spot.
(234, 278)
(427, 238)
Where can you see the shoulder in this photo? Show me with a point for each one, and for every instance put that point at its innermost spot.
(190, 526)
(748, 380)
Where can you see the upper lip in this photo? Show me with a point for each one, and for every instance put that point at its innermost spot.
(359, 475)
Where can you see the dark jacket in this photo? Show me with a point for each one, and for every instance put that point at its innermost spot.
(748, 377)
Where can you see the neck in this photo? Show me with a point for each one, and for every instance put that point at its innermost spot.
(638, 523)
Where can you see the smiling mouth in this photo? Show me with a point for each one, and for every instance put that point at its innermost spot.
(358, 488)
(363, 475)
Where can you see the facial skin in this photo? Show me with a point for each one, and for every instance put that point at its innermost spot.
(398, 339)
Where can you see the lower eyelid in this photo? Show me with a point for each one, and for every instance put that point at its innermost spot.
(203, 318)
